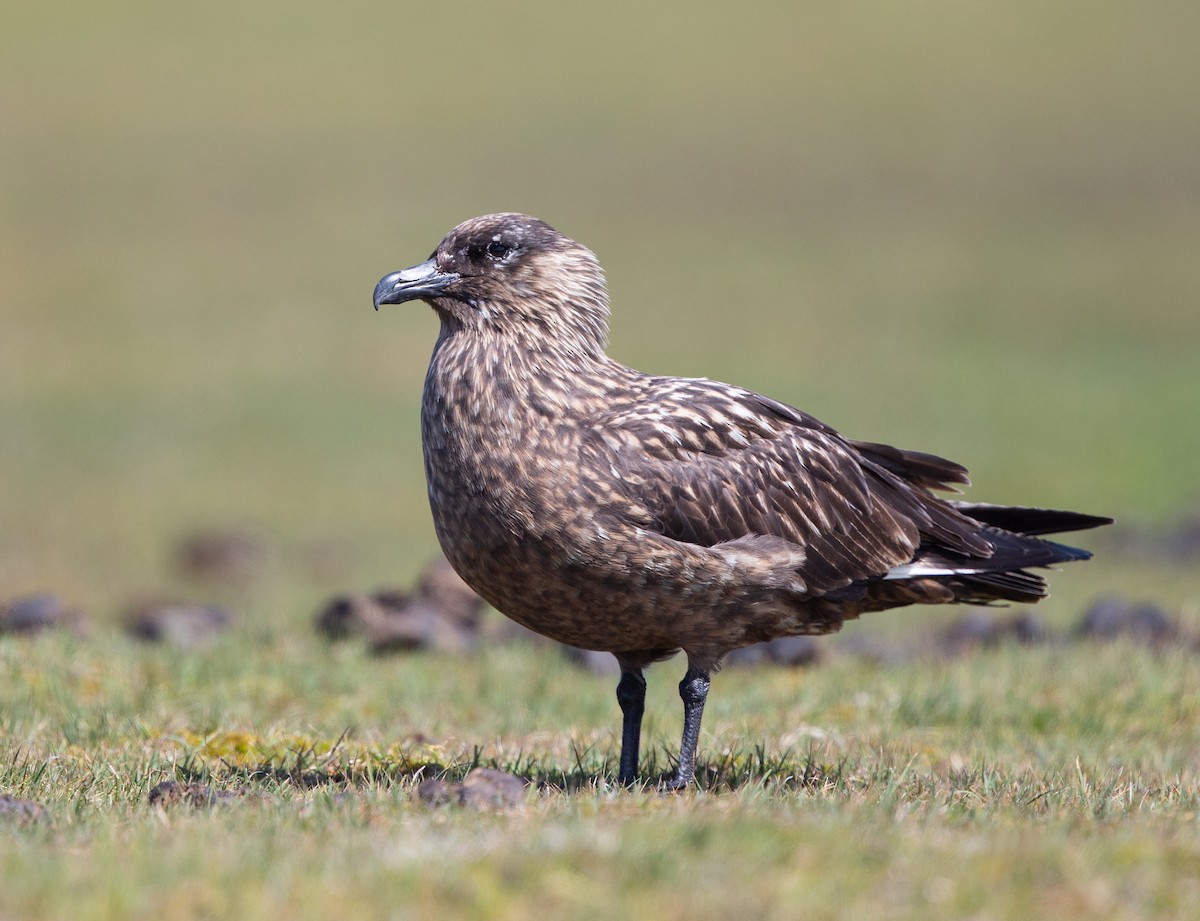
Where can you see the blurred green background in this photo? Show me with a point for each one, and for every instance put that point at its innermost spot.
(968, 228)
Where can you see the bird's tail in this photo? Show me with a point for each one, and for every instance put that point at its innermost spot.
(1002, 575)
(1020, 520)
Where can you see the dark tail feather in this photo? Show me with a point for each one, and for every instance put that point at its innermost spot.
(1004, 575)
(942, 572)
(925, 470)
(1012, 585)
(1031, 520)
(1010, 552)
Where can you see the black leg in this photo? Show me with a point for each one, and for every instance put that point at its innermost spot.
(694, 691)
(631, 695)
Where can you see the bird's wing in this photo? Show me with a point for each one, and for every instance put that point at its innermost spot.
(706, 464)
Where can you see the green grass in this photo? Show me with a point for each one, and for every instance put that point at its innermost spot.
(955, 228)
(988, 785)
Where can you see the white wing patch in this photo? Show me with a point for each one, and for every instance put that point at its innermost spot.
(919, 570)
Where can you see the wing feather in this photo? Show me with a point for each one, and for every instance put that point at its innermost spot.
(765, 468)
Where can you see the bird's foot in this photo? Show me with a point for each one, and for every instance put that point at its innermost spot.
(678, 784)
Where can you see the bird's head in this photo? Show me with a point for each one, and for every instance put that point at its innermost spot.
(510, 274)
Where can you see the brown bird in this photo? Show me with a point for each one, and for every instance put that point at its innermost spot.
(640, 515)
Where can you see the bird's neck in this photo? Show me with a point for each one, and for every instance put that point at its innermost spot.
(509, 384)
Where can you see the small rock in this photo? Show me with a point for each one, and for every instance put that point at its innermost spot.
(224, 557)
(420, 625)
(344, 616)
(186, 625)
(440, 586)
(22, 811)
(795, 651)
(197, 795)
(443, 614)
(36, 613)
(1112, 618)
(1183, 544)
(1178, 542)
(487, 788)
(437, 792)
(980, 629)
(747, 656)
(391, 599)
(792, 651)
(870, 647)
(484, 789)
(408, 630)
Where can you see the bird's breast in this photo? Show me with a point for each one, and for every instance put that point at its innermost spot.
(500, 454)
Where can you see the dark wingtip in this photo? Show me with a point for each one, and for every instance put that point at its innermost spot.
(918, 467)
(1064, 553)
(1021, 520)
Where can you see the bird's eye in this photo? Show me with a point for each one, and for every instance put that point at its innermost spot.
(498, 250)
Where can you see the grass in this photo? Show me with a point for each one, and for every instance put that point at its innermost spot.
(985, 785)
(965, 230)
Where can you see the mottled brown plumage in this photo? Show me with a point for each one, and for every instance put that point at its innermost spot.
(640, 515)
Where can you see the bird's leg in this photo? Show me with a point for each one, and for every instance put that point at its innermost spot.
(631, 695)
(694, 691)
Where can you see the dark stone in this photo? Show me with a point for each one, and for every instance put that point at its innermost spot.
(878, 650)
(345, 616)
(442, 589)
(442, 614)
(795, 651)
(747, 656)
(487, 788)
(186, 625)
(197, 795)
(484, 789)
(792, 651)
(222, 557)
(1117, 618)
(1183, 543)
(437, 792)
(981, 629)
(36, 613)
(419, 625)
(19, 811)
